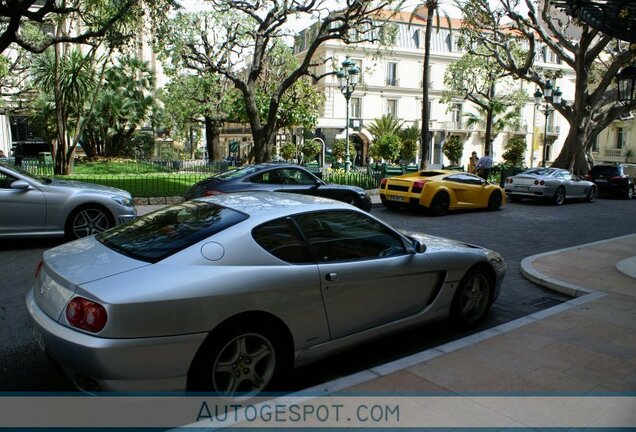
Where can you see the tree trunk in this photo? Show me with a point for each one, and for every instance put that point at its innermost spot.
(488, 137)
(212, 139)
(573, 155)
(425, 141)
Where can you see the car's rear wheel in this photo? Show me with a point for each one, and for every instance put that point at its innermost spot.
(472, 299)
(629, 194)
(559, 196)
(440, 204)
(238, 361)
(495, 200)
(88, 220)
(591, 194)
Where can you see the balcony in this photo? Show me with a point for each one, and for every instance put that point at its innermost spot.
(520, 129)
(613, 153)
(456, 127)
(392, 82)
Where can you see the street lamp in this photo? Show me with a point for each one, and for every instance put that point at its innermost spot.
(627, 84)
(551, 97)
(347, 80)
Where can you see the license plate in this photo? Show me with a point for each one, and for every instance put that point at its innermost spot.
(601, 181)
(522, 188)
(395, 198)
(39, 339)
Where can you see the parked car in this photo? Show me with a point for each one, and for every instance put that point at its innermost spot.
(278, 177)
(226, 293)
(37, 206)
(440, 191)
(553, 184)
(619, 179)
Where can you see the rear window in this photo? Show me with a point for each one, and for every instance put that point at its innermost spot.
(430, 173)
(605, 170)
(160, 234)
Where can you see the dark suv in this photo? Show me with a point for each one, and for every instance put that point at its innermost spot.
(615, 178)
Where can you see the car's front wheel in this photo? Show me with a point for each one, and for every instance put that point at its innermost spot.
(629, 194)
(495, 200)
(88, 220)
(559, 196)
(472, 299)
(239, 362)
(352, 199)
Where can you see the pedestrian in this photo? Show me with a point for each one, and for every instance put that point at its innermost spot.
(484, 165)
(472, 163)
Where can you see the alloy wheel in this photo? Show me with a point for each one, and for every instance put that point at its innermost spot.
(89, 221)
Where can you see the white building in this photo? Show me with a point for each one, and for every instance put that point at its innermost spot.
(392, 84)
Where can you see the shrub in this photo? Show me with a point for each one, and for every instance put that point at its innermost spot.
(288, 151)
(409, 150)
(388, 147)
(338, 149)
(453, 149)
(310, 149)
(514, 150)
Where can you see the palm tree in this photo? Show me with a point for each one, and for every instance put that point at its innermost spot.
(387, 124)
(432, 10)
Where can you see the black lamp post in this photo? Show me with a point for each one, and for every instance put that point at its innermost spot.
(347, 80)
(550, 97)
(627, 84)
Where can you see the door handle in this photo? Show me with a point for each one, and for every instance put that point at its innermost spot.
(332, 277)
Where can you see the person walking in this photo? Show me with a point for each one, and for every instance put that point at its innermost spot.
(484, 165)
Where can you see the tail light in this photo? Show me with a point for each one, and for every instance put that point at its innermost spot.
(211, 192)
(86, 314)
(537, 182)
(618, 179)
(508, 180)
(418, 185)
(38, 269)
(383, 183)
(588, 176)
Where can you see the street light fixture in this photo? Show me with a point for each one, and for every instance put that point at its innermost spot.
(627, 85)
(550, 97)
(348, 77)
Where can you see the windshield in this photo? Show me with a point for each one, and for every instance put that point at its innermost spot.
(26, 173)
(160, 234)
(541, 171)
(238, 173)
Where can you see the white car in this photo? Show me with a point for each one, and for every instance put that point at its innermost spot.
(40, 207)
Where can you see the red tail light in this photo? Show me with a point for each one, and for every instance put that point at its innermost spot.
(509, 180)
(212, 192)
(38, 269)
(542, 182)
(619, 178)
(85, 314)
(536, 182)
(383, 182)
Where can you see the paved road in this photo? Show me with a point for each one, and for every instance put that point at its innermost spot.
(517, 231)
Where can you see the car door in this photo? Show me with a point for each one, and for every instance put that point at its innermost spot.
(368, 278)
(298, 181)
(22, 210)
(468, 190)
(574, 187)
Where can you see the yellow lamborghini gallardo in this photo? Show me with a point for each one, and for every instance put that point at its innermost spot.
(440, 191)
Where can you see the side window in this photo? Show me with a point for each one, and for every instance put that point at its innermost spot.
(348, 235)
(466, 179)
(267, 177)
(281, 238)
(296, 177)
(6, 180)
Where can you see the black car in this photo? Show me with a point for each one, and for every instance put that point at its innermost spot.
(277, 177)
(615, 178)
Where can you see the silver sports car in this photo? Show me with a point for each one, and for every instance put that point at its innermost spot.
(38, 207)
(553, 184)
(224, 293)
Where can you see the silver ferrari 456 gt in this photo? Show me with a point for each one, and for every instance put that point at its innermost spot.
(225, 293)
(550, 184)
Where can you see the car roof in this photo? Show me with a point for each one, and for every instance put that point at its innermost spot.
(268, 204)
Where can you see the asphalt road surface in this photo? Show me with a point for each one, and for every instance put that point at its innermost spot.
(517, 231)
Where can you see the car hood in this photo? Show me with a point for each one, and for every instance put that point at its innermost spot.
(434, 243)
(87, 260)
(89, 187)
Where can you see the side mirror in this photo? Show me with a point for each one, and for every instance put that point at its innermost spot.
(20, 185)
(418, 246)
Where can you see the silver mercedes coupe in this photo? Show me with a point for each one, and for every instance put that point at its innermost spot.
(225, 293)
(37, 207)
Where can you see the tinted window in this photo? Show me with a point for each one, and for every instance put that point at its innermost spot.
(541, 171)
(165, 232)
(6, 180)
(466, 179)
(347, 235)
(295, 176)
(605, 170)
(266, 177)
(282, 239)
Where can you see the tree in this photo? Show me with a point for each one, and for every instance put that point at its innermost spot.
(386, 124)
(310, 149)
(387, 147)
(288, 151)
(513, 38)
(338, 149)
(235, 37)
(453, 149)
(479, 79)
(123, 103)
(432, 11)
(26, 23)
(409, 136)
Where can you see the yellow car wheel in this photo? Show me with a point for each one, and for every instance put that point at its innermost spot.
(440, 204)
